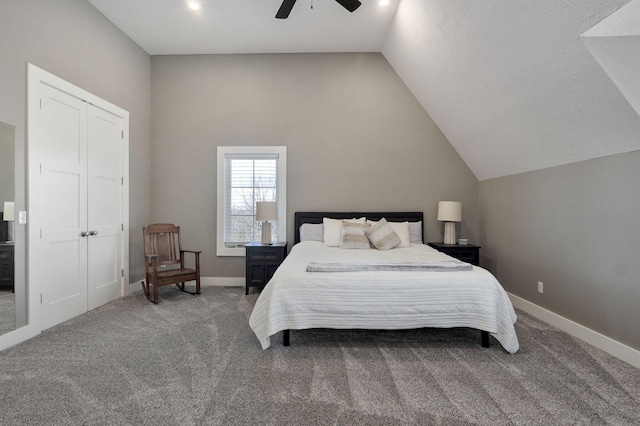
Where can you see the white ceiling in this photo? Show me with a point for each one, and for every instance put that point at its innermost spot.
(511, 83)
(169, 27)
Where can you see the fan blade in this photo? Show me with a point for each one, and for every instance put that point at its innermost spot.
(350, 5)
(285, 9)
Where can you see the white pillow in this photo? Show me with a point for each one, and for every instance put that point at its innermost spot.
(402, 229)
(333, 230)
(311, 232)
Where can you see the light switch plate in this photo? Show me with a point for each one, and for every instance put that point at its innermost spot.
(22, 217)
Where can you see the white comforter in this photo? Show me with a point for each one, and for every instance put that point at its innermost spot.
(296, 299)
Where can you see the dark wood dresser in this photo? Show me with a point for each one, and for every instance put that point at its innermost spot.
(7, 266)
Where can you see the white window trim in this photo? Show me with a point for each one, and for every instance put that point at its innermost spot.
(221, 250)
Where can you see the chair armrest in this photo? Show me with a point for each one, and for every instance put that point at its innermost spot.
(150, 262)
(196, 255)
(150, 258)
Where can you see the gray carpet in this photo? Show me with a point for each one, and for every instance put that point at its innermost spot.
(194, 361)
(7, 311)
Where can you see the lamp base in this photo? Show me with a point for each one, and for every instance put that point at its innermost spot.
(266, 233)
(449, 232)
(10, 230)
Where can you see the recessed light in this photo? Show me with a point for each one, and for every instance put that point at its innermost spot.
(383, 2)
(194, 5)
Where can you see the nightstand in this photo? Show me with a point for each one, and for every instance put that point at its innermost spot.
(467, 253)
(262, 260)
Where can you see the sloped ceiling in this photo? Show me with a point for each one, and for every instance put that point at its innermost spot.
(511, 83)
(615, 42)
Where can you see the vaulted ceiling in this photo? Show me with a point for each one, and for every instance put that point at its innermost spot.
(515, 85)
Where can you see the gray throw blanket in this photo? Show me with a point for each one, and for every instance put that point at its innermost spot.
(441, 266)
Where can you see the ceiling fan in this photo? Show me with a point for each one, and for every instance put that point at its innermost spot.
(287, 5)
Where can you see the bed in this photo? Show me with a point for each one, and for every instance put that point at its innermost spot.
(396, 299)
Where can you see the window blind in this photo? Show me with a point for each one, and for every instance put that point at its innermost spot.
(249, 178)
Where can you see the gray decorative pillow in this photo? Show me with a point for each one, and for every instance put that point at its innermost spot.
(382, 235)
(333, 230)
(312, 232)
(352, 235)
(415, 232)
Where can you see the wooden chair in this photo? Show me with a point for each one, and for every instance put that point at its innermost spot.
(164, 260)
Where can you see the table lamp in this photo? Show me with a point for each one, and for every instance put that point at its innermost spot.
(450, 212)
(266, 211)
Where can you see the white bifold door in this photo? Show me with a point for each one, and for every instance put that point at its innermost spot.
(80, 213)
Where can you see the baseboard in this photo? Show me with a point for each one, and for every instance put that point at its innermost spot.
(19, 335)
(600, 341)
(222, 281)
(133, 287)
(204, 281)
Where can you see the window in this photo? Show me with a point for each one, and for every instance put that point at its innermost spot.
(247, 174)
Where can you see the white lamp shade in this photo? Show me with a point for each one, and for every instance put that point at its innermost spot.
(9, 212)
(450, 211)
(266, 210)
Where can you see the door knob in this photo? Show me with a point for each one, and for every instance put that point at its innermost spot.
(93, 232)
(84, 234)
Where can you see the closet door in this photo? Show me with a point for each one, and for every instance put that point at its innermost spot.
(77, 200)
(105, 144)
(63, 173)
(82, 230)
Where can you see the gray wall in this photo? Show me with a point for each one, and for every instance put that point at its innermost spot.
(72, 40)
(356, 139)
(7, 154)
(576, 228)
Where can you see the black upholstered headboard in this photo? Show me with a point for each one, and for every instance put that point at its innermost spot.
(316, 217)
